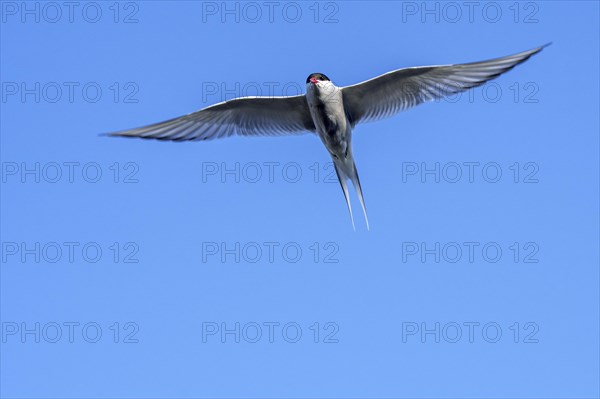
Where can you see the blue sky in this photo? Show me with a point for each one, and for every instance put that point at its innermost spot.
(230, 268)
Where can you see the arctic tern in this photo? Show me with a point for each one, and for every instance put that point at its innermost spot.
(330, 111)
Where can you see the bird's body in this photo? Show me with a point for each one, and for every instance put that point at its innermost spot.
(330, 111)
(326, 106)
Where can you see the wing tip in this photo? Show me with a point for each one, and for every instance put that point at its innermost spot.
(540, 48)
(117, 134)
(111, 134)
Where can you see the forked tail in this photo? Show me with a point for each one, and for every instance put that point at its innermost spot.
(346, 170)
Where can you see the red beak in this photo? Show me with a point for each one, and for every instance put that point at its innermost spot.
(314, 81)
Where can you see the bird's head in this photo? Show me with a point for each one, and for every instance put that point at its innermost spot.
(315, 78)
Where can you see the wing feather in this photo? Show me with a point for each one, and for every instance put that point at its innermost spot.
(399, 90)
(246, 116)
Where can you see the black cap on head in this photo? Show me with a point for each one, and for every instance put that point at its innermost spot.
(318, 76)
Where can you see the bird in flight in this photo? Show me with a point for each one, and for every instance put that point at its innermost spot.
(330, 111)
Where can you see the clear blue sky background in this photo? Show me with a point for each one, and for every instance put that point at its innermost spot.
(380, 289)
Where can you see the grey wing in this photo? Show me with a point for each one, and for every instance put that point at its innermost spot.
(398, 90)
(246, 116)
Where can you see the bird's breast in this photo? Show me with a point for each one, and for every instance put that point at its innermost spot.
(327, 111)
